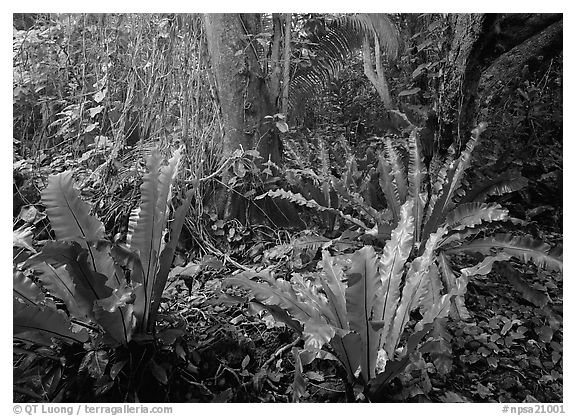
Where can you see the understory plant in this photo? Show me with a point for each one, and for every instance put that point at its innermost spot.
(84, 290)
(359, 306)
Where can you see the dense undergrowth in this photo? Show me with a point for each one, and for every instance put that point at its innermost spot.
(408, 273)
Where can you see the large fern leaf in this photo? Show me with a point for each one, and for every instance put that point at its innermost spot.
(332, 282)
(151, 223)
(116, 315)
(167, 256)
(397, 170)
(392, 264)
(444, 201)
(298, 199)
(332, 47)
(523, 248)
(39, 324)
(388, 189)
(309, 294)
(363, 284)
(416, 172)
(89, 285)
(451, 282)
(503, 184)
(469, 215)
(70, 216)
(25, 289)
(59, 283)
(277, 292)
(415, 281)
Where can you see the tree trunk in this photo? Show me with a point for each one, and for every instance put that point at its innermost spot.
(540, 47)
(275, 65)
(245, 101)
(242, 91)
(458, 103)
(286, 63)
(486, 47)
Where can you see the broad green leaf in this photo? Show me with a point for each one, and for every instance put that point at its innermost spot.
(392, 264)
(415, 280)
(299, 384)
(309, 294)
(25, 289)
(316, 334)
(452, 185)
(532, 295)
(278, 314)
(451, 282)
(395, 367)
(501, 185)
(348, 350)
(469, 215)
(397, 171)
(428, 294)
(485, 266)
(167, 256)
(280, 293)
(355, 199)
(363, 284)
(416, 172)
(116, 317)
(22, 237)
(38, 324)
(151, 220)
(331, 278)
(523, 248)
(88, 285)
(387, 186)
(60, 284)
(438, 172)
(70, 216)
(310, 203)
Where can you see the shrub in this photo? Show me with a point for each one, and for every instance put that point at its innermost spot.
(83, 289)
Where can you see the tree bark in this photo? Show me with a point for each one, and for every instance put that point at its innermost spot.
(245, 101)
(275, 65)
(242, 91)
(509, 66)
(286, 63)
(484, 48)
(458, 93)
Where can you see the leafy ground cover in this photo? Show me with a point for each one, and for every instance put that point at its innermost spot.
(512, 352)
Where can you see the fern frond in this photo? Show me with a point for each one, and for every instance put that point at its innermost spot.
(415, 281)
(397, 170)
(70, 216)
(416, 172)
(522, 248)
(503, 184)
(452, 186)
(150, 224)
(273, 292)
(40, 324)
(453, 283)
(388, 187)
(392, 263)
(363, 284)
(469, 215)
(298, 199)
